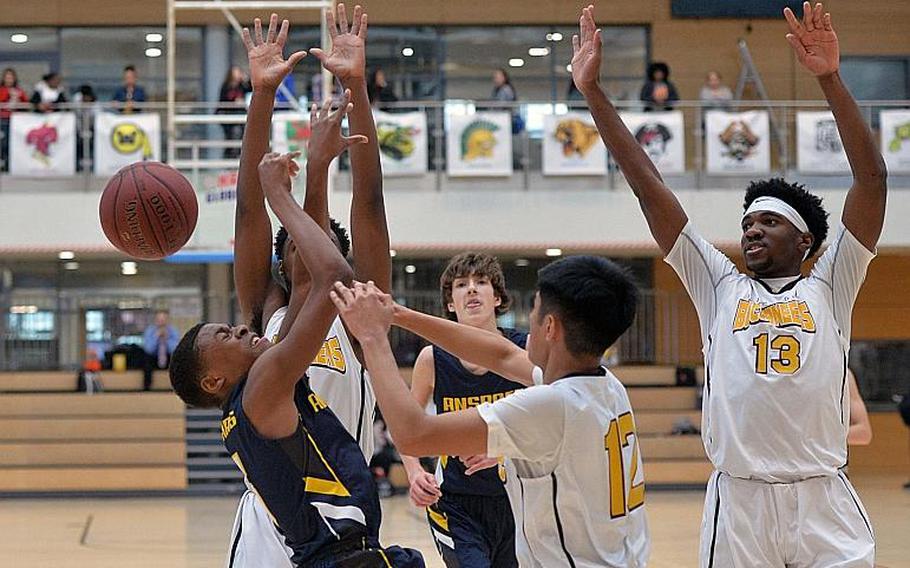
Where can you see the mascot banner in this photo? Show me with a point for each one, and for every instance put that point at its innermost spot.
(572, 146)
(662, 136)
(738, 142)
(42, 144)
(402, 142)
(290, 133)
(479, 144)
(121, 139)
(818, 144)
(895, 126)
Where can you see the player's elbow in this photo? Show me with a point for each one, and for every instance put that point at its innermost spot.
(416, 440)
(861, 436)
(877, 175)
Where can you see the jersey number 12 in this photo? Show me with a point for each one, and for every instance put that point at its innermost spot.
(617, 438)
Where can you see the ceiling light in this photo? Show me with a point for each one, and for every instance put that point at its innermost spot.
(71, 265)
(569, 67)
(555, 36)
(66, 255)
(128, 268)
(516, 62)
(154, 38)
(23, 309)
(393, 253)
(522, 262)
(18, 38)
(153, 52)
(554, 252)
(410, 269)
(408, 51)
(539, 51)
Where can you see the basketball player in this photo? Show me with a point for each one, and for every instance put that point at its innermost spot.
(336, 375)
(574, 476)
(467, 508)
(303, 465)
(776, 410)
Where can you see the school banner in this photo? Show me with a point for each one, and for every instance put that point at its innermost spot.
(738, 142)
(895, 127)
(479, 144)
(402, 142)
(572, 146)
(42, 144)
(818, 145)
(121, 139)
(662, 136)
(290, 133)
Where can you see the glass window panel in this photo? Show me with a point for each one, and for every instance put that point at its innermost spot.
(97, 56)
(872, 78)
(38, 40)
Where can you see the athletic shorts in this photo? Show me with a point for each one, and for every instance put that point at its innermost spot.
(474, 531)
(818, 523)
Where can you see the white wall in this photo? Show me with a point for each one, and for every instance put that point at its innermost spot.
(424, 221)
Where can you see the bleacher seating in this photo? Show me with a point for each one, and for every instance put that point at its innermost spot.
(65, 381)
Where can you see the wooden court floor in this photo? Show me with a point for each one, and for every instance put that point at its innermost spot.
(194, 532)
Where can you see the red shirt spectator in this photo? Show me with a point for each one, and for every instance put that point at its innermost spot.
(10, 93)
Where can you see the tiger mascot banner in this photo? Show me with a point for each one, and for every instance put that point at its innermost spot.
(572, 146)
(402, 141)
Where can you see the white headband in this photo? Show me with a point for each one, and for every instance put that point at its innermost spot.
(775, 205)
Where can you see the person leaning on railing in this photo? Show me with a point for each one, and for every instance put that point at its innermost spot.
(10, 96)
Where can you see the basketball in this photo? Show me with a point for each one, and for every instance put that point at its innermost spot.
(148, 210)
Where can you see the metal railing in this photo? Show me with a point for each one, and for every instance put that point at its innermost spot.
(199, 145)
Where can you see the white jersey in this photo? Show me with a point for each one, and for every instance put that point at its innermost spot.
(775, 398)
(574, 477)
(337, 376)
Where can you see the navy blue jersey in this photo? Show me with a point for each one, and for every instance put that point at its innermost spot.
(315, 484)
(456, 388)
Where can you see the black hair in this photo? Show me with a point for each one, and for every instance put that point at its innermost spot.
(795, 195)
(129, 68)
(344, 241)
(658, 66)
(186, 371)
(594, 298)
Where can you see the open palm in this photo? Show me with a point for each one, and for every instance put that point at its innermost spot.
(813, 39)
(268, 67)
(586, 50)
(347, 59)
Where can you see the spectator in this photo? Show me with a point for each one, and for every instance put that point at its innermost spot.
(233, 93)
(85, 95)
(129, 92)
(658, 93)
(159, 342)
(378, 89)
(48, 93)
(505, 92)
(10, 95)
(714, 94)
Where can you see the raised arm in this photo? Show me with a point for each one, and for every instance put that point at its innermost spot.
(367, 312)
(423, 488)
(817, 49)
(369, 230)
(252, 229)
(484, 348)
(268, 398)
(662, 210)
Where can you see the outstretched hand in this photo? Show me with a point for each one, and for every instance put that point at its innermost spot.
(276, 170)
(268, 67)
(365, 309)
(326, 141)
(813, 39)
(586, 51)
(347, 58)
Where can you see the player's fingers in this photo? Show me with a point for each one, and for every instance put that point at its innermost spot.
(326, 107)
(257, 28)
(319, 54)
(817, 15)
(273, 28)
(354, 140)
(330, 22)
(343, 292)
(336, 299)
(282, 38)
(795, 27)
(314, 113)
(363, 27)
(598, 41)
(828, 26)
(576, 44)
(798, 46)
(295, 58)
(342, 18)
(355, 20)
(807, 17)
(247, 40)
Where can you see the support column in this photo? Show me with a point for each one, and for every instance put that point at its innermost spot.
(218, 293)
(217, 57)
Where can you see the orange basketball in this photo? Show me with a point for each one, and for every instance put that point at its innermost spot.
(148, 210)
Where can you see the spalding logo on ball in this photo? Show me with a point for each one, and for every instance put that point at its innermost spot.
(148, 210)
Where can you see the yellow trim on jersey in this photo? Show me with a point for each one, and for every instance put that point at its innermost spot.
(384, 557)
(325, 486)
(439, 519)
(236, 457)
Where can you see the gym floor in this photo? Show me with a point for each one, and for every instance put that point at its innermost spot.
(194, 532)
